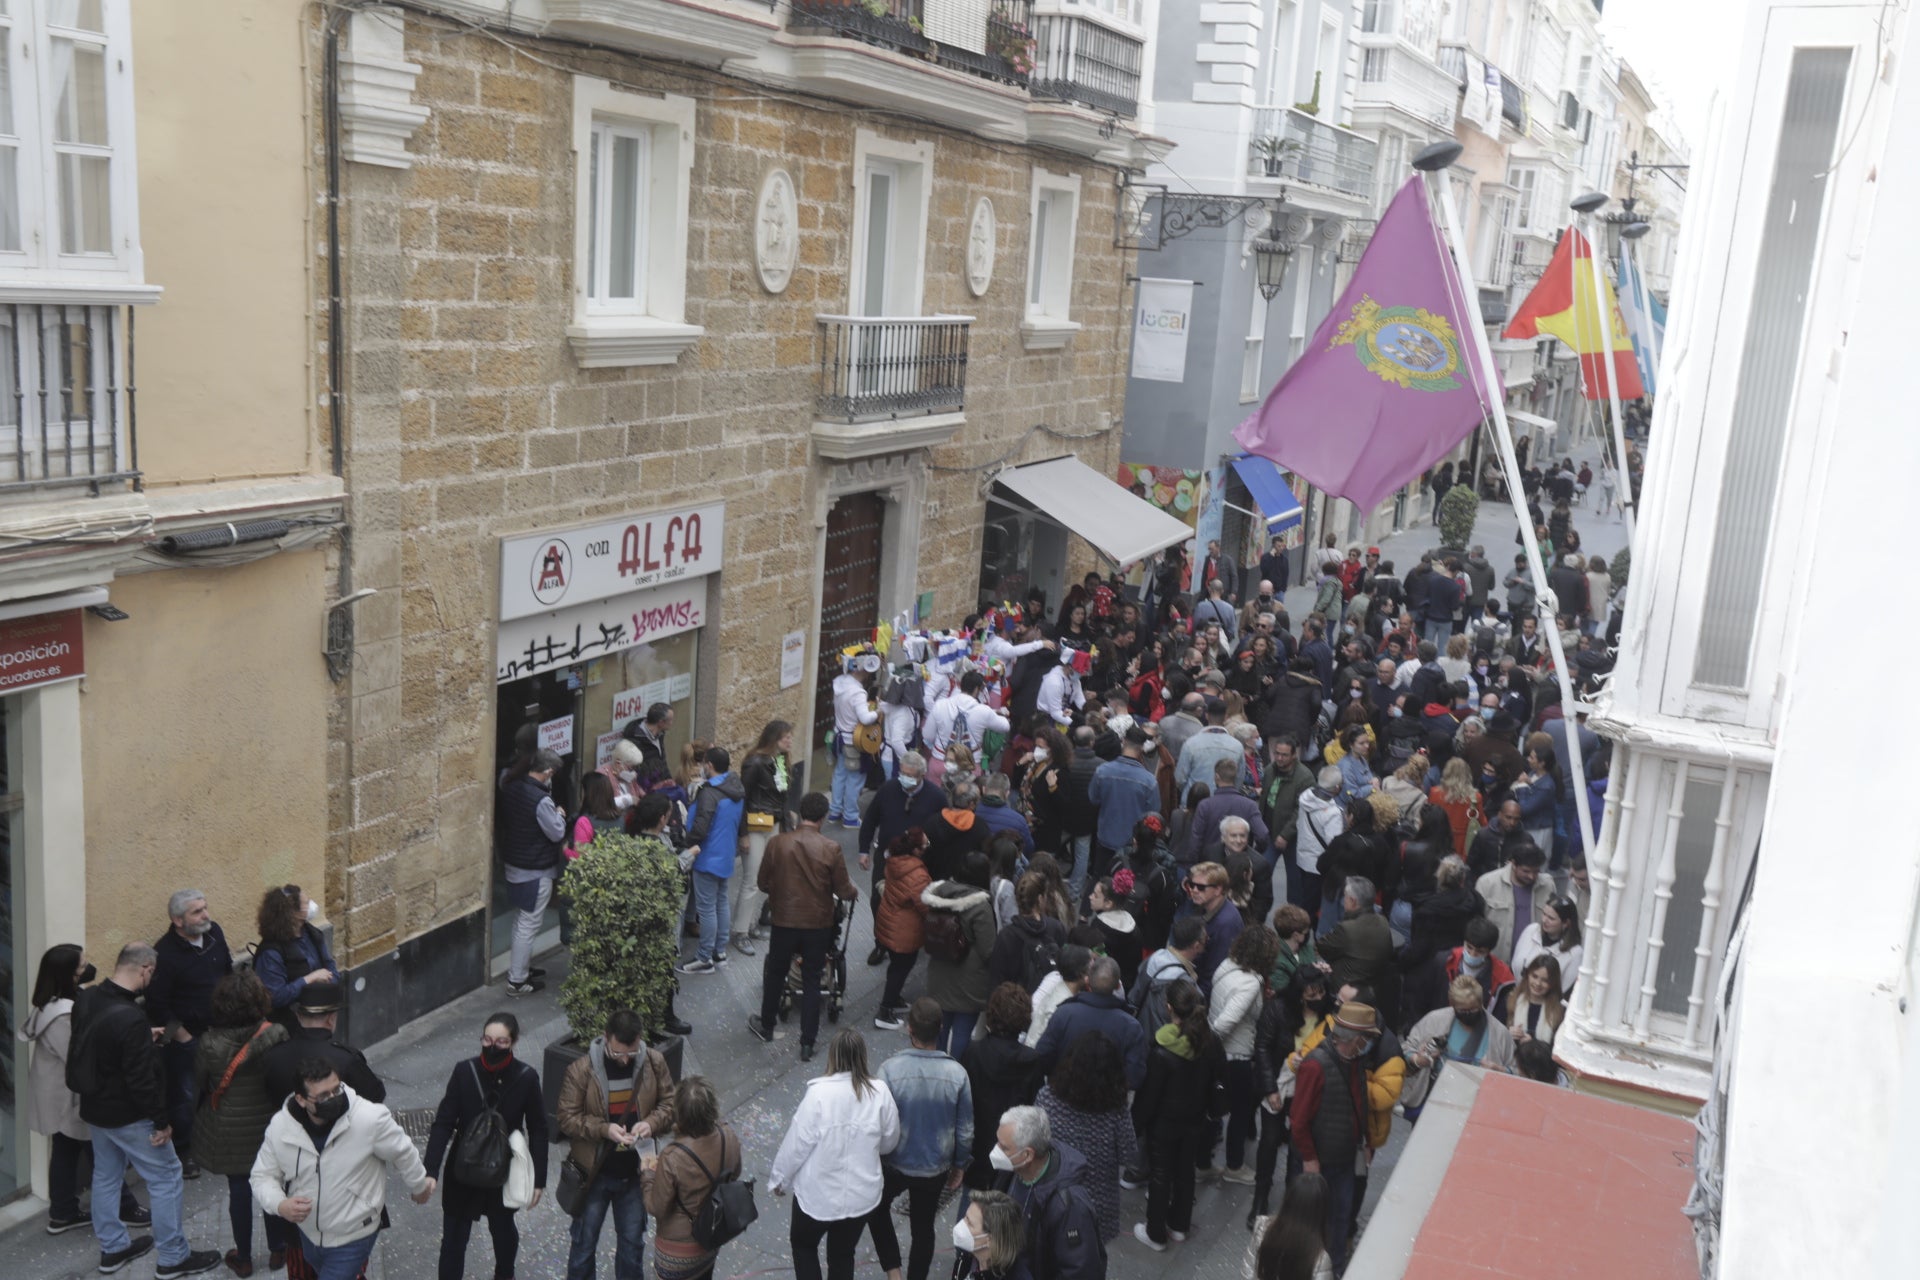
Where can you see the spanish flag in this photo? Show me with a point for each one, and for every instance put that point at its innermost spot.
(1561, 306)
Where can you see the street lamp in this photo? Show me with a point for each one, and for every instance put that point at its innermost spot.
(1271, 254)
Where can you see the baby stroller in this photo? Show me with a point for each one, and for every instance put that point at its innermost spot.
(833, 975)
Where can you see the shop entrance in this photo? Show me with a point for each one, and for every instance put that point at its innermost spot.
(849, 593)
(17, 967)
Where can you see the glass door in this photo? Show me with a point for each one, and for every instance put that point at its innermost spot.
(16, 970)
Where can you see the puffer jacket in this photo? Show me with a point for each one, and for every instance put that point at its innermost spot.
(51, 1106)
(1386, 1075)
(227, 1137)
(1233, 1009)
(902, 924)
(963, 987)
(347, 1182)
(717, 816)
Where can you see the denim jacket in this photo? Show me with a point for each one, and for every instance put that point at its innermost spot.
(936, 1112)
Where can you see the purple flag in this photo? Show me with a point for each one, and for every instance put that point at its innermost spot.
(1388, 385)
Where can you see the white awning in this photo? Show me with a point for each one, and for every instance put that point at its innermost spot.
(1079, 499)
(1533, 420)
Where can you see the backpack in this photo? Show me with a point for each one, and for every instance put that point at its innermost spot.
(481, 1157)
(729, 1209)
(1038, 956)
(1154, 1013)
(946, 936)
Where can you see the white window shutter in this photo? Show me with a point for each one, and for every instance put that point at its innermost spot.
(959, 23)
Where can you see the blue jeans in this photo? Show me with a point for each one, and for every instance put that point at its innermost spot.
(849, 779)
(956, 1033)
(710, 905)
(178, 1057)
(1437, 630)
(338, 1261)
(622, 1195)
(1082, 849)
(113, 1151)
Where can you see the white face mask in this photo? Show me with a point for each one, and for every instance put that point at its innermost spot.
(1041, 753)
(963, 1238)
(1000, 1160)
(313, 909)
(908, 783)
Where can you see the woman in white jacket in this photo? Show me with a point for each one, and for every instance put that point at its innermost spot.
(830, 1158)
(323, 1167)
(1233, 1011)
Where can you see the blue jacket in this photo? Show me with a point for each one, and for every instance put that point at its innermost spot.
(283, 968)
(1123, 791)
(1538, 803)
(935, 1103)
(1201, 753)
(717, 811)
(1094, 1011)
(1000, 816)
(1221, 931)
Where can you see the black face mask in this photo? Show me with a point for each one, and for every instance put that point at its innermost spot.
(331, 1110)
(1323, 1005)
(1473, 1019)
(86, 975)
(494, 1056)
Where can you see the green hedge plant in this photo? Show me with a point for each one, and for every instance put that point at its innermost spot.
(1458, 510)
(626, 893)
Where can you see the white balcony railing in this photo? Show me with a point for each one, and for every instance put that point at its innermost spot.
(66, 398)
(1321, 154)
(1396, 76)
(1676, 843)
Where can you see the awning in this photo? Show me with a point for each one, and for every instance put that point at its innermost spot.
(1271, 493)
(1079, 499)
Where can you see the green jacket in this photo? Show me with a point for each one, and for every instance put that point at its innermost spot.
(1280, 800)
(227, 1138)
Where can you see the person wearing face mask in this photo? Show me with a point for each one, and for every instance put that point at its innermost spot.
(1475, 958)
(901, 803)
(620, 1094)
(114, 1065)
(317, 1013)
(991, 1237)
(1328, 1119)
(1461, 1032)
(494, 1081)
(292, 952)
(1047, 1181)
(53, 1111)
(323, 1167)
(193, 958)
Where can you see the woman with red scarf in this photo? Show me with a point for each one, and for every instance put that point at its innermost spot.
(495, 1078)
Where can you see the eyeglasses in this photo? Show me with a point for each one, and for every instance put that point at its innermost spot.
(328, 1096)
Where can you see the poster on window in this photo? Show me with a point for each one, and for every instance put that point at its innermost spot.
(1160, 329)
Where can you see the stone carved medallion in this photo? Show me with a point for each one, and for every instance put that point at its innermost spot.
(776, 231)
(980, 237)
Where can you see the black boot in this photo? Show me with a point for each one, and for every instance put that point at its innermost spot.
(1261, 1192)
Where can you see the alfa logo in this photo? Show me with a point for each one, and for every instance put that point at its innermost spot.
(552, 567)
(1410, 347)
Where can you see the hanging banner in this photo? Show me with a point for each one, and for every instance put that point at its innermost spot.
(1160, 329)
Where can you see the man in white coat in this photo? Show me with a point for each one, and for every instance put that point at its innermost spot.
(323, 1167)
(1060, 692)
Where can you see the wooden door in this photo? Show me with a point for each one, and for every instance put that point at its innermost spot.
(849, 590)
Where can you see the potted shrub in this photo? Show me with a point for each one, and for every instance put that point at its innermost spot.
(1274, 150)
(626, 893)
(1458, 510)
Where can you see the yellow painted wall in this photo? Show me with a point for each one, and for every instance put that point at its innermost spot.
(224, 207)
(204, 736)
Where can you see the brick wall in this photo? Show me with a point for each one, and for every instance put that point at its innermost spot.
(468, 418)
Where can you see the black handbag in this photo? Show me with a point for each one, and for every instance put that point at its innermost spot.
(729, 1209)
(570, 1193)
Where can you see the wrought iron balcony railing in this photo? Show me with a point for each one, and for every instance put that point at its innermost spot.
(1078, 60)
(66, 398)
(1315, 152)
(875, 367)
(1000, 47)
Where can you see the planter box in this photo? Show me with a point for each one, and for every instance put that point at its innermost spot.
(562, 1054)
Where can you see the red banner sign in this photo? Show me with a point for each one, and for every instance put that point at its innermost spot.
(42, 649)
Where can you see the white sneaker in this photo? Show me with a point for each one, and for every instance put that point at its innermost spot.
(1242, 1176)
(1140, 1234)
(1178, 1237)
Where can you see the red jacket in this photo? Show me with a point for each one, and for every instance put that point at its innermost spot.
(1498, 974)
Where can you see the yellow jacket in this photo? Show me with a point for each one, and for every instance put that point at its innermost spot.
(1383, 1084)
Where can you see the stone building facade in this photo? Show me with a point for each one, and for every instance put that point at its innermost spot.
(474, 417)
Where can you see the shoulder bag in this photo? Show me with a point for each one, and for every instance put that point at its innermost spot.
(729, 1209)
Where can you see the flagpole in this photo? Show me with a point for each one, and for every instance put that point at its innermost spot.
(1432, 163)
(1587, 206)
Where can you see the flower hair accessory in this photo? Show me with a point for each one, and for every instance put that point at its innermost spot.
(1123, 882)
(1154, 823)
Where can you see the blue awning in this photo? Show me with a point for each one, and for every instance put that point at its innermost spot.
(1271, 493)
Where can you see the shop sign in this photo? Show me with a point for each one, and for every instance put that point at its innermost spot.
(43, 648)
(603, 748)
(557, 736)
(540, 572)
(562, 637)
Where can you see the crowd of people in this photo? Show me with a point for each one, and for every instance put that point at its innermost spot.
(1194, 885)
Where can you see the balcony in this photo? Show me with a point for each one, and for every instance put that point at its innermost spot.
(889, 383)
(994, 43)
(1078, 60)
(66, 399)
(1395, 78)
(1321, 155)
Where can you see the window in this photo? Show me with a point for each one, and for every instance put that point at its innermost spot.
(1376, 16)
(632, 187)
(891, 186)
(66, 141)
(1256, 345)
(1056, 207)
(1373, 66)
(1524, 182)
